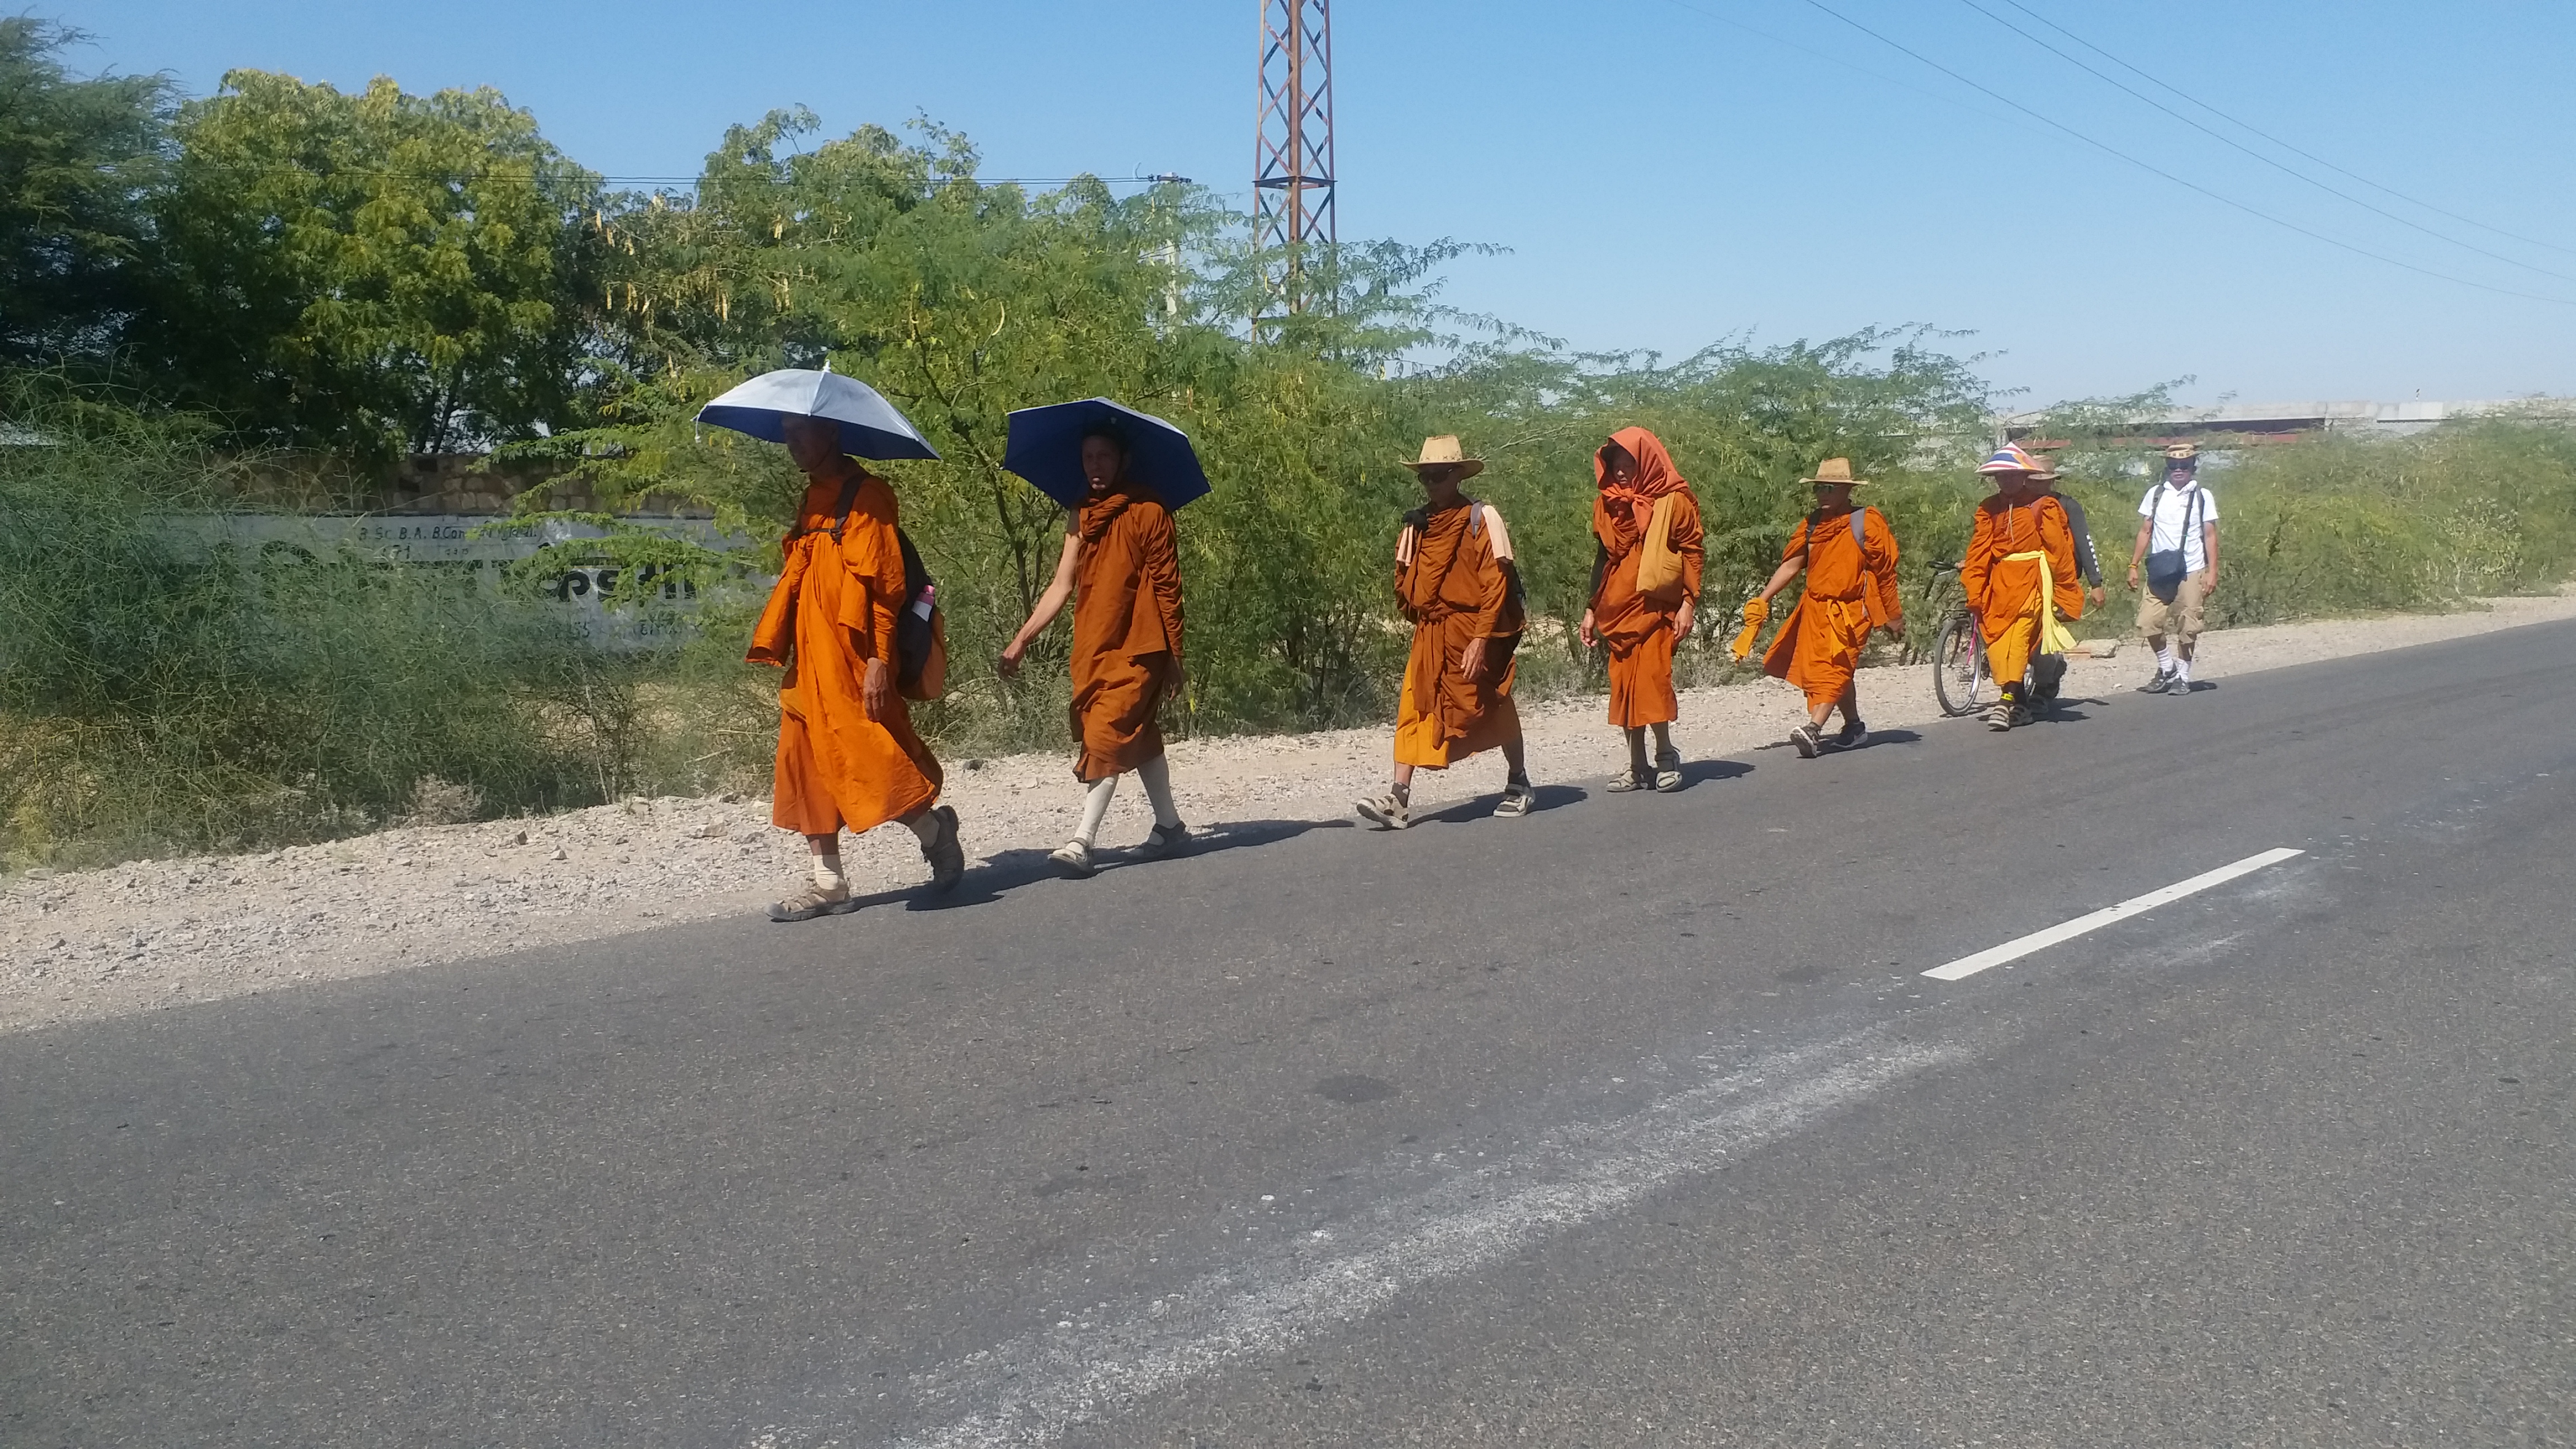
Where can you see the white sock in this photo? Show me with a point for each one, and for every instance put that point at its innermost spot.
(926, 826)
(1156, 774)
(827, 873)
(2164, 659)
(2182, 668)
(1095, 808)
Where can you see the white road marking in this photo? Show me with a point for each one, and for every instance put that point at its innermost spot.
(2014, 950)
(1034, 1388)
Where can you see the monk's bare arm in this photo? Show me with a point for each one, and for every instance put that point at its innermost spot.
(1791, 564)
(1600, 571)
(1050, 603)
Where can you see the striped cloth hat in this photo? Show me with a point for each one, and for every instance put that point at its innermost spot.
(2011, 459)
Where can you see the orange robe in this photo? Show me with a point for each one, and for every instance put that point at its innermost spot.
(1454, 588)
(832, 611)
(1851, 589)
(1126, 632)
(2004, 591)
(1638, 628)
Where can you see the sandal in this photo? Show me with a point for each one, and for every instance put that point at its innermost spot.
(1517, 801)
(947, 858)
(1623, 782)
(1073, 861)
(1389, 810)
(1668, 772)
(814, 901)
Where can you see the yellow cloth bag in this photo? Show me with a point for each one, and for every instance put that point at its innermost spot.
(1757, 612)
(1659, 571)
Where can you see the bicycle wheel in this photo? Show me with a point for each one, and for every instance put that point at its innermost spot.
(1959, 678)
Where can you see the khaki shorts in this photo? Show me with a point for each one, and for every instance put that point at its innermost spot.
(2181, 617)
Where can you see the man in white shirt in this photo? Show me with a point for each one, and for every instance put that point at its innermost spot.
(2178, 545)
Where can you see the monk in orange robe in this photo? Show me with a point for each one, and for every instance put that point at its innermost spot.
(1455, 580)
(1849, 556)
(847, 754)
(1122, 569)
(1645, 588)
(2020, 576)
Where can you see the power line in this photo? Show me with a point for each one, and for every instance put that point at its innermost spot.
(1837, 61)
(2284, 145)
(2225, 139)
(2109, 150)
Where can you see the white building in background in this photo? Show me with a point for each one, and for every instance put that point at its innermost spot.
(2238, 424)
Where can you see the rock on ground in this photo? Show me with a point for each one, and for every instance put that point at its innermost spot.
(152, 934)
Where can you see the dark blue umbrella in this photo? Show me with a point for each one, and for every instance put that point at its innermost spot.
(1046, 449)
(870, 426)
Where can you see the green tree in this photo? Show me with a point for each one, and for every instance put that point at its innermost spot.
(77, 161)
(374, 273)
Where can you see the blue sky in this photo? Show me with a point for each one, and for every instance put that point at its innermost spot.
(1663, 175)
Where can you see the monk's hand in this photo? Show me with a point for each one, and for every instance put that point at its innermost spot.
(876, 691)
(1682, 620)
(1008, 666)
(1471, 660)
(1583, 631)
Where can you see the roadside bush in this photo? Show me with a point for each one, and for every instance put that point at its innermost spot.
(157, 692)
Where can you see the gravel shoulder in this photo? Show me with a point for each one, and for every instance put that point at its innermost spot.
(152, 934)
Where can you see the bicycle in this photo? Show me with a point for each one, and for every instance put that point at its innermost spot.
(1959, 678)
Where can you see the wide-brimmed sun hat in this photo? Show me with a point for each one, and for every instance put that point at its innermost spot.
(1836, 470)
(1444, 452)
(2011, 458)
(2182, 452)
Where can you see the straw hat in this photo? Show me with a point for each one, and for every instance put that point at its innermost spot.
(1836, 470)
(1444, 452)
(2182, 452)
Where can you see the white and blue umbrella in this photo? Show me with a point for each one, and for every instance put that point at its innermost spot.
(1046, 448)
(870, 426)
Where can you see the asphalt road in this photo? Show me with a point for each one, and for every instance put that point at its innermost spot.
(1631, 1123)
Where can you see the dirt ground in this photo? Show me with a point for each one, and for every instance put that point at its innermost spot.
(152, 934)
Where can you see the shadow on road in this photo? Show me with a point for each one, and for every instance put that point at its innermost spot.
(1695, 772)
(1008, 870)
(1542, 798)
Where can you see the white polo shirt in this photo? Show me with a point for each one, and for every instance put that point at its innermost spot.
(2171, 511)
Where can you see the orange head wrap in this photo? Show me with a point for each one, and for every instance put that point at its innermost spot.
(1656, 476)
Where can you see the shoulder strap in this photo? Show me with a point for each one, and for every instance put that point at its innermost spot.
(849, 500)
(1860, 528)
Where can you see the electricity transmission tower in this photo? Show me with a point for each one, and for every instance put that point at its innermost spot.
(1292, 162)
